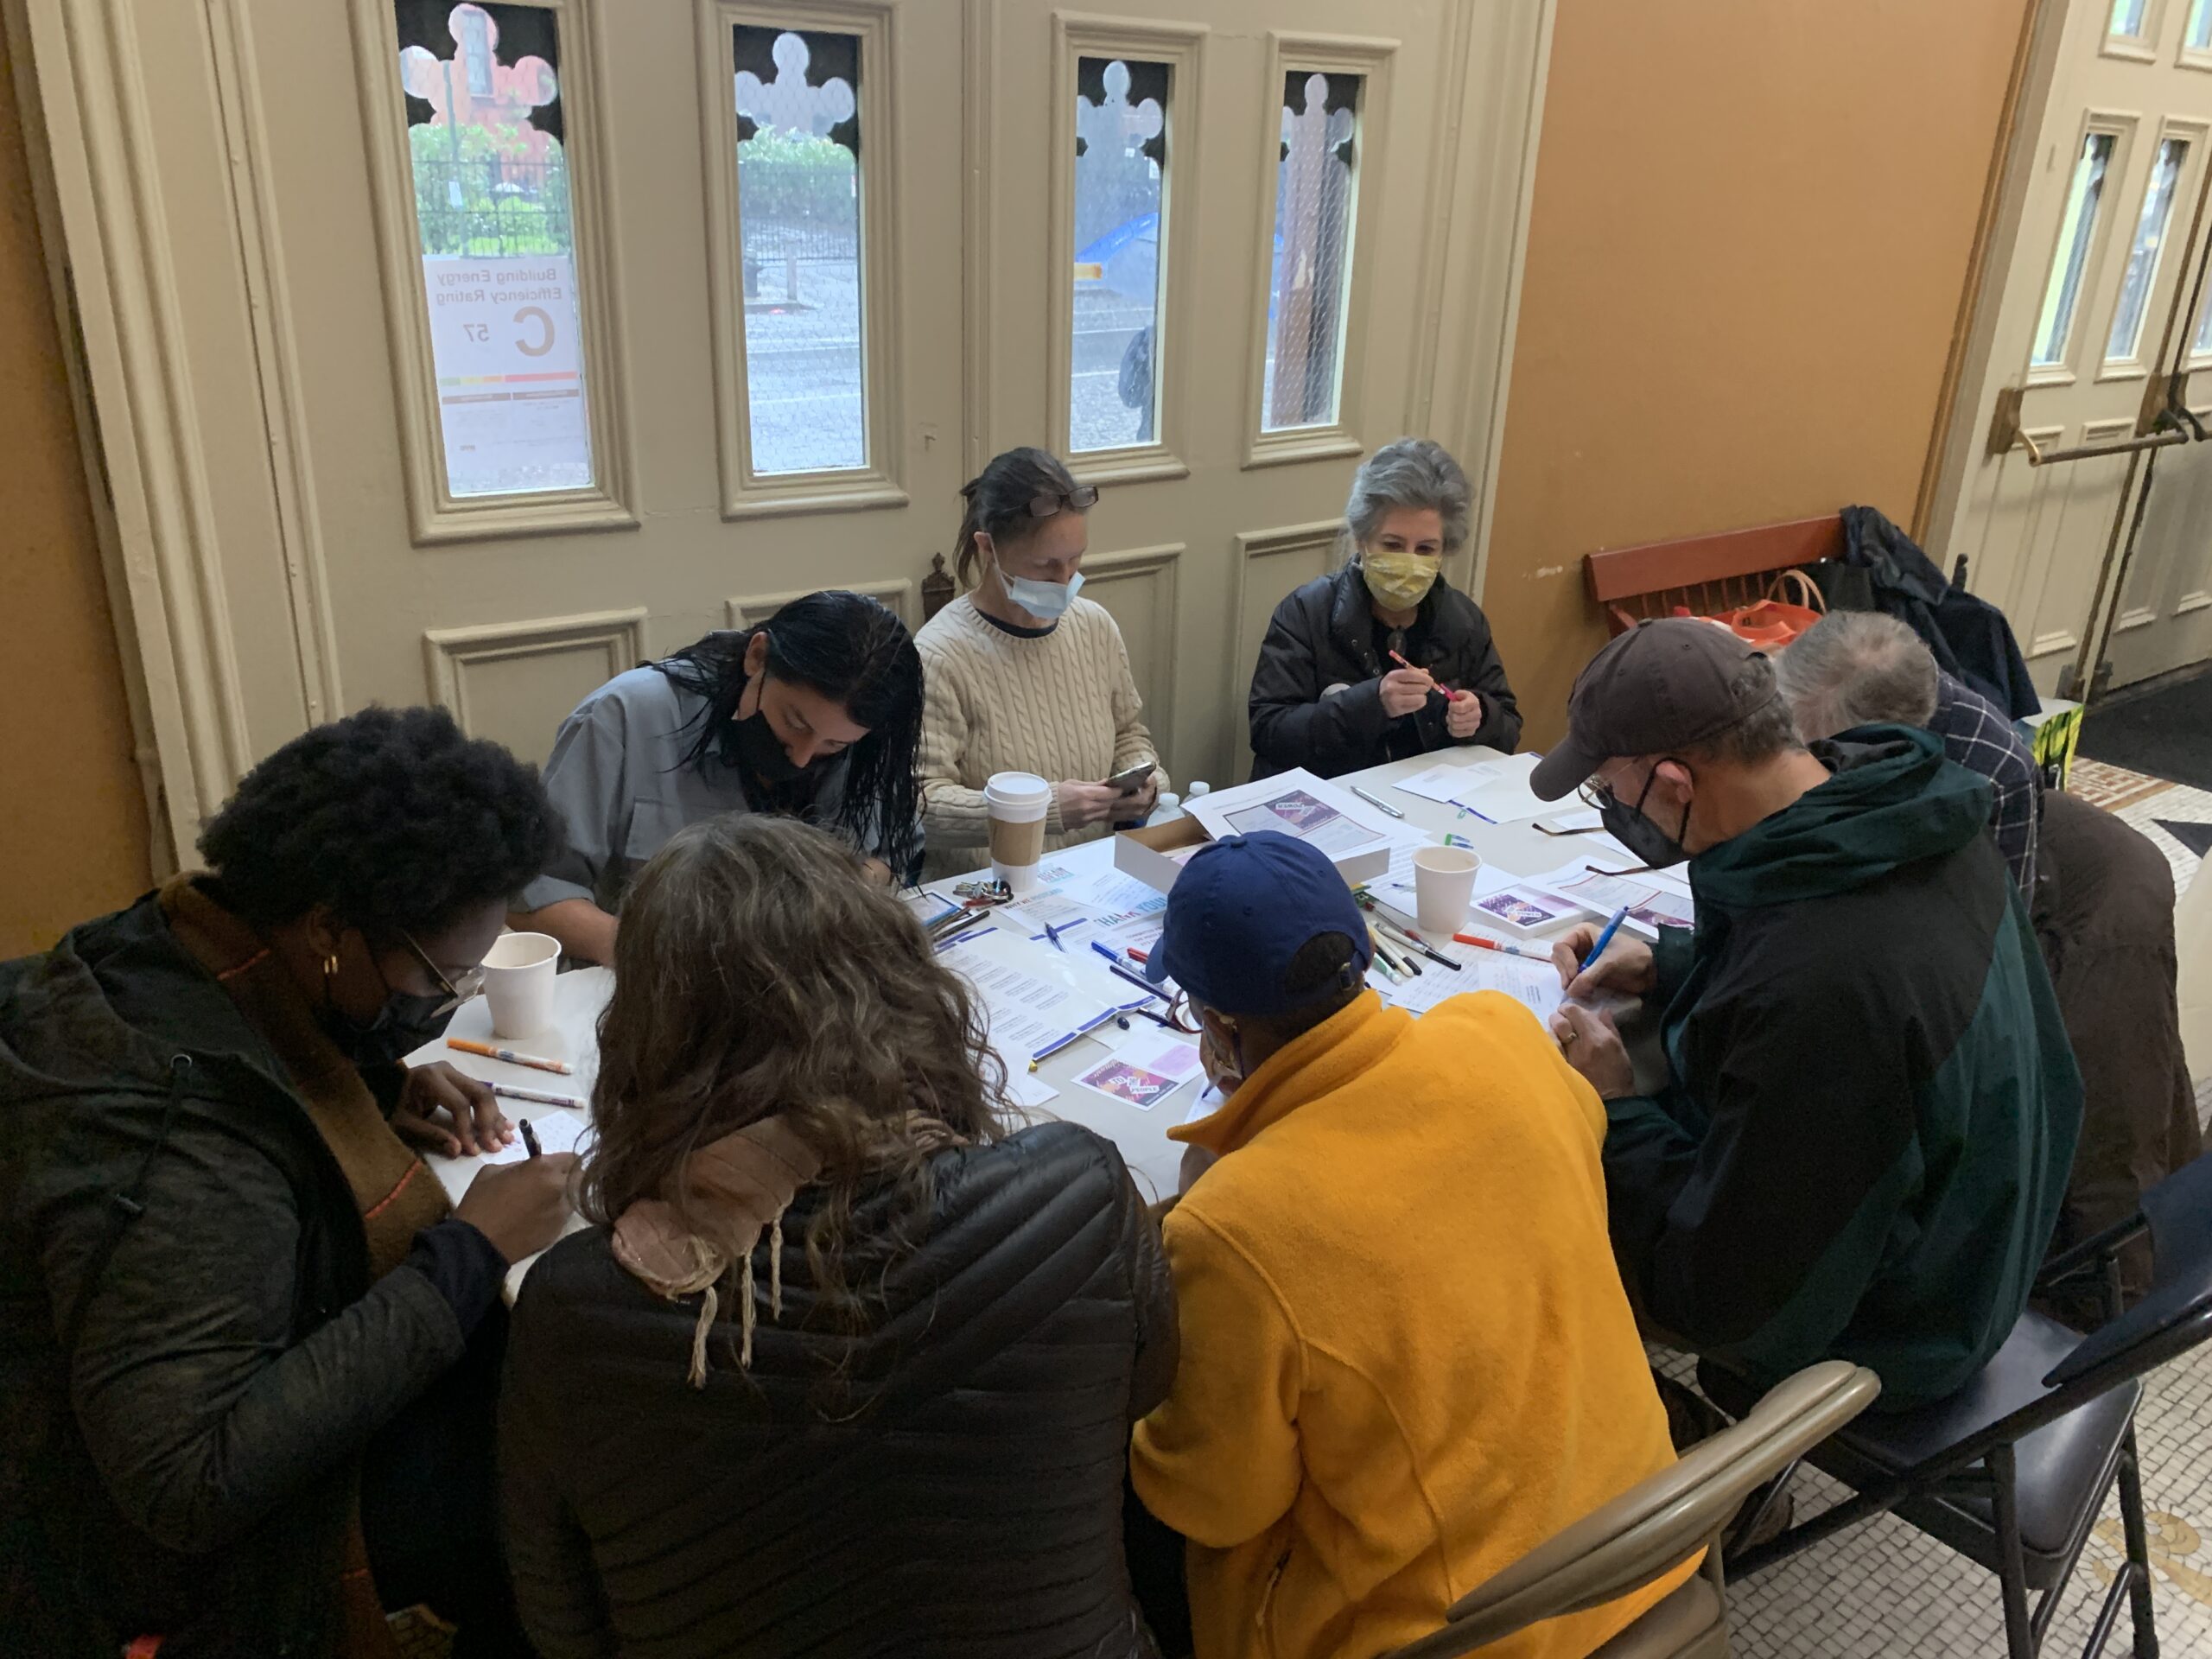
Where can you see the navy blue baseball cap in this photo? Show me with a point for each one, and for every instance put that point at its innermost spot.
(1242, 909)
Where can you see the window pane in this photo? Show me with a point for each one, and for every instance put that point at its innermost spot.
(1121, 149)
(2127, 17)
(1310, 274)
(2202, 344)
(484, 130)
(2199, 35)
(2143, 257)
(799, 218)
(2077, 233)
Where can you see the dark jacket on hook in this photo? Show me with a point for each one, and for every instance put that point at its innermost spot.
(1323, 636)
(1970, 637)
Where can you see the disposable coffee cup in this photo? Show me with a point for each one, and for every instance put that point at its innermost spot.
(1017, 801)
(518, 982)
(1444, 885)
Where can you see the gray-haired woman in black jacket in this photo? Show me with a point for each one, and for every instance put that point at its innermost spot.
(1383, 659)
(849, 1365)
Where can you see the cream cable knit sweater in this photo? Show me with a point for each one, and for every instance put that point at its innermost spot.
(1062, 706)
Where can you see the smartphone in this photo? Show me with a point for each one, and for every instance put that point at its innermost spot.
(1128, 783)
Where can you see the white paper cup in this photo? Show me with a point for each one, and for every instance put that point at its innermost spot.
(1444, 884)
(1017, 803)
(518, 982)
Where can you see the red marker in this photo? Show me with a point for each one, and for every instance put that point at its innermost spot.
(1446, 690)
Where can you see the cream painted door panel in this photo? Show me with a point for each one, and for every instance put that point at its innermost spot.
(476, 351)
(2101, 263)
(1246, 192)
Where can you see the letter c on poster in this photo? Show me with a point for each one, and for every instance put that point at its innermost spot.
(536, 314)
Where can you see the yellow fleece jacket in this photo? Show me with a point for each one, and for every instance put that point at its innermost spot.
(1407, 1357)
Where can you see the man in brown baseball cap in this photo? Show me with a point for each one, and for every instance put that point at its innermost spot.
(1870, 1107)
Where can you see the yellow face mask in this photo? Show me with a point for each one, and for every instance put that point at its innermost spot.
(1398, 580)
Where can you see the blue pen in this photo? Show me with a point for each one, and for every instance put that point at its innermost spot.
(1114, 964)
(1605, 937)
(1053, 934)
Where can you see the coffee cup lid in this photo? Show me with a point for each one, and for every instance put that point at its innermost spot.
(1016, 788)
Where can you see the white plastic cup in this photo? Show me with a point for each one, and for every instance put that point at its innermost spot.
(1017, 803)
(518, 982)
(1444, 885)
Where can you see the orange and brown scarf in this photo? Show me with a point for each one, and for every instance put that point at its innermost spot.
(398, 1196)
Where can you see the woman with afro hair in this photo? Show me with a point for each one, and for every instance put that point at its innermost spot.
(248, 1352)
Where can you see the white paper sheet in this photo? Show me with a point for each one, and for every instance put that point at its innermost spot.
(559, 1129)
(1533, 984)
(1651, 905)
(1296, 803)
(1451, 784)
(1035, 1000)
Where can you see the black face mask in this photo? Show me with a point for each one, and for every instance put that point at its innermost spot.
(405, 1022)
(755, 745)
(402, 1024)
(1645, 840)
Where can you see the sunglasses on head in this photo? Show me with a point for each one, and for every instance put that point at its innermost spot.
(1081, 498)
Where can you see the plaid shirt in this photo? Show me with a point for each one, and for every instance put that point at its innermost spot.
(1977, 735)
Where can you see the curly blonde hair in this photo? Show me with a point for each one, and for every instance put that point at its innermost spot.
(757, 971)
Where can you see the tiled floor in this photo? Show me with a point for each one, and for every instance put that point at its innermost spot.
(1886, 1591)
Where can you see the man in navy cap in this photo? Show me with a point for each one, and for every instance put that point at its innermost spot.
(1406, 1355)
(1871, 1108)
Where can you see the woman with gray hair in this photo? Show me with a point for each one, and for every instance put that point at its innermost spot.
(1383, 659)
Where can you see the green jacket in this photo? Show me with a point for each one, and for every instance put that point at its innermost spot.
(1872, 1105)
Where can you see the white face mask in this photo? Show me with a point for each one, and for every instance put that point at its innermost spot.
(1048, 599)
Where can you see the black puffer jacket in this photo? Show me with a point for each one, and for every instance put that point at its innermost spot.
(1323, 635)
(962, 1496)
(186, 1468)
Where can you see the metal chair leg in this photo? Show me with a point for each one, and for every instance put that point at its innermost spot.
(2012, 1569)
(2138, 1547)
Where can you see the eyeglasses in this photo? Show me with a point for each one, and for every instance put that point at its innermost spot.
(457, 992)
(1081, 498)
(1179, 1016)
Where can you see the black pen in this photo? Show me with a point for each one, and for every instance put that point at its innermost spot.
(530, 1138)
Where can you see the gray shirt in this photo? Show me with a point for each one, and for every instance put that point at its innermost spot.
(618, 778)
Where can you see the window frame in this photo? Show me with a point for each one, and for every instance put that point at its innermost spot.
(434, 514)
(2120, 128)
(1372, 58)
(2194, 135)
(747, 493)
(1181, 47)
(2134, 49)
(2192, 57)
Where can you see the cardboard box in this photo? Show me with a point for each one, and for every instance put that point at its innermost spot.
(1144, 854)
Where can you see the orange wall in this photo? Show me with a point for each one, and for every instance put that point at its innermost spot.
(1747, 251)
(73, 818)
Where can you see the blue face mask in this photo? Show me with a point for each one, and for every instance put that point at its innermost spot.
(1048, 599)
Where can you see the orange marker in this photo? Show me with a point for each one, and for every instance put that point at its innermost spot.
(510, 1056)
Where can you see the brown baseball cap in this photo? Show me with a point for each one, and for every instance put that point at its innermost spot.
(1663, 685)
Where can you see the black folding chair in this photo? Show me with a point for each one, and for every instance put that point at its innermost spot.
(2011, 1470)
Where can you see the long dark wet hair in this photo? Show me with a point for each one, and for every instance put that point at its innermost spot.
(853, 651)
